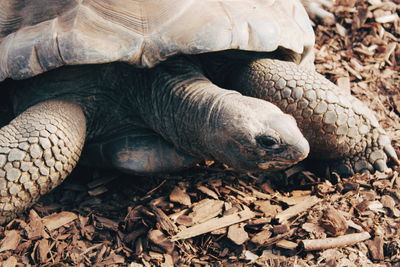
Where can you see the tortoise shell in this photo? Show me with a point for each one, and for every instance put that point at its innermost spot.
(40, 35)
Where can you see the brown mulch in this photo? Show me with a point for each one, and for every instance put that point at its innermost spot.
(212, 216)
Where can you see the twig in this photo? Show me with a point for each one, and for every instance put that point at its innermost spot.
(213, 224)
(304, 205)
(334, 242)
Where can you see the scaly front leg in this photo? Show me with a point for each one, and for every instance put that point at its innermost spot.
(38, 149)
(337, 125)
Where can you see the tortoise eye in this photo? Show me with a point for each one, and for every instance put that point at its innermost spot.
(267, 142)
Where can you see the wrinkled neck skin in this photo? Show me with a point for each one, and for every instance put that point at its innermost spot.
(178, 102)
(209, 122)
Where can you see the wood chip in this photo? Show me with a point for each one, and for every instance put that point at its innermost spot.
(158, 238)
(334, 222)
(375, 247)
(10, 262)
(207, 191)
(57, 220)
(98, 191)
(286, 244)
(297, 209)
(206, 209)
(43, 250)
(10, 241)
(35, 229)
(334, 242)
(237, 234)
(214, 224)
(261, 237)
(178, 195)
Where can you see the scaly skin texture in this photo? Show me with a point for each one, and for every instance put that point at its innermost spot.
(38, 150)
(337, 125)
(209, 122)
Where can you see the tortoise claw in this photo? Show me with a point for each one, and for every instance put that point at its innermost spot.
(341, 168)
(391, 153)
(380, 165)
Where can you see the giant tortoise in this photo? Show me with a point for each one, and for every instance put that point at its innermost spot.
(158, 85)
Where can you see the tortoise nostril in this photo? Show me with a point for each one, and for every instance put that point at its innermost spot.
(267, 142)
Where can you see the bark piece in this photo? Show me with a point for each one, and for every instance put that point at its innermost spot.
(237, 234)
(57, 220)
(214, 224)
(10, 262)
(165, 222)
(297, 209)
(261, 237)
(10, 241)
(206, 210)
(334, 222)
(334, 242)
(97, 191)
(43, 250)
(267, 208)
(158, 238)
(286, 244)
(35, 229)
(375, 248)
(180, 196)
(389, 203)
(207, 191)
(281, 229)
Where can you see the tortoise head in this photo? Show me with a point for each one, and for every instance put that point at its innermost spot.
(252, 134)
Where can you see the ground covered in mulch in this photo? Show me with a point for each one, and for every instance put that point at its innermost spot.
(213, 216)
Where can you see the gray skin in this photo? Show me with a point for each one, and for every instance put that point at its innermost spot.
(138, 121)
(340, 129)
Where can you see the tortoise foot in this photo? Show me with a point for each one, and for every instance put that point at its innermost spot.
(38, 150)
(369, 161)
